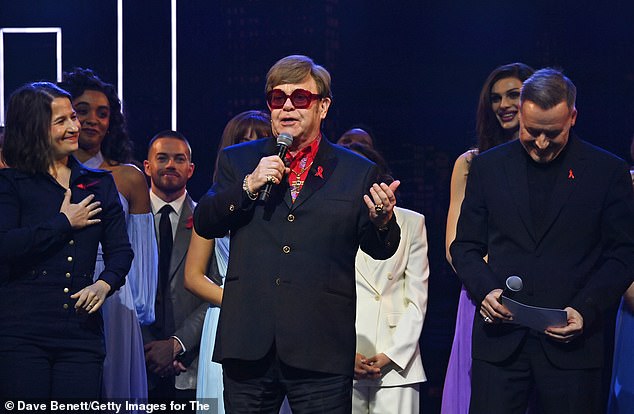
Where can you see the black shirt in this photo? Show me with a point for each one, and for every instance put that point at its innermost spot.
(541, 181)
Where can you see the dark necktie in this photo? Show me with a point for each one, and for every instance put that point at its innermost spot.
(165, 253)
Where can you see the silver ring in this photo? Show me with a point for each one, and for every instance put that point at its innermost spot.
(487, 319)
(378, 209)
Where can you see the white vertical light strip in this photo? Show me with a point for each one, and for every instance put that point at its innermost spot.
(173, 65)
(2, 77)
(58, 55)
(120, 51)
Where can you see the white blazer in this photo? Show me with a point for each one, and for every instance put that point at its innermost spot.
(392, 301)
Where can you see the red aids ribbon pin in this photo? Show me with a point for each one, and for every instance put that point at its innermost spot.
(83, 186)
(320, 172)
(571, 176)
(190, 222)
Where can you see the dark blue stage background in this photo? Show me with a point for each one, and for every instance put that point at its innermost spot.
(411, 71)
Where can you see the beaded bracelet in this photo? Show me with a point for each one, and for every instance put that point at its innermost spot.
(245, 187)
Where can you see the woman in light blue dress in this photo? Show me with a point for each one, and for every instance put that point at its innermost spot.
(199, 277)
(124, 367)
(105, 144)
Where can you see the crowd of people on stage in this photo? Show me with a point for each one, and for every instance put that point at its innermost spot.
(296, 283)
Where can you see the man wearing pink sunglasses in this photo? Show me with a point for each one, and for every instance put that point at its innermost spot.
(288, 313)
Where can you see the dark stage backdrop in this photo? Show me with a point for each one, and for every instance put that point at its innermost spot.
(411, 71)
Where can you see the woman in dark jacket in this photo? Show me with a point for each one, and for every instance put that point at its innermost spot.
(53, 214)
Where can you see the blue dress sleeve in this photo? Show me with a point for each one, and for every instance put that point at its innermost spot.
(143, 273)
(117, 252)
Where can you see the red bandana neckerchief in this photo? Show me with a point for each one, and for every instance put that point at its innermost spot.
(300, 164)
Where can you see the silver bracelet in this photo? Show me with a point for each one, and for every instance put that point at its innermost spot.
(245, 187)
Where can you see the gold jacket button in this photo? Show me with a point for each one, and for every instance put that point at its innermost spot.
(69, 258)
(291, 218)
(65, 290)
(72, 242)
(389, 276)
(278, 281)
(286, 249)
(65, 305)
(377, 298)
(232, 207)
(67, 275)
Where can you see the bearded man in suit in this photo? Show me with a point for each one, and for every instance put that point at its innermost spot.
(288, 312)
(172, 342)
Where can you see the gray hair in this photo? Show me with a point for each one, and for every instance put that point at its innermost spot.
(547, 88)
(294, 69)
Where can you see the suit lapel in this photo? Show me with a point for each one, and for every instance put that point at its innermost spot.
(517, 184)
(320, 172)
(183, 235)
(572, 168)
(367, 270)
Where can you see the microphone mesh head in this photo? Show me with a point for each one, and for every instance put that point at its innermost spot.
(284, 139)
(514, 283)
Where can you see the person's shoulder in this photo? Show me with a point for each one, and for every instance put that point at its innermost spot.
(126, 168)
(405, 213)
(250, 146)
(128, 172)
(468, 155)
(10, 173)
(88, 171)
(503, 150)
(598, 154)
(9, 176)
(464, 160)
(498, 154)
(132, 183)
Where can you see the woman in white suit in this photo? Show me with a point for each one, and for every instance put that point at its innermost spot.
(391, 306)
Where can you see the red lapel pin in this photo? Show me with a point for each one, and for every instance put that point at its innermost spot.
(320, 172)
(571, 175)
(83, 186)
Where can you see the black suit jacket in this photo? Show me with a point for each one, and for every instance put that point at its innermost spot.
(188, 311)
(290, 278)
(584, 257)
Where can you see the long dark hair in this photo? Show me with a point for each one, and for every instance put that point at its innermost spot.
(238, 127)
(488, 129)
(27, 132)
(116, 145)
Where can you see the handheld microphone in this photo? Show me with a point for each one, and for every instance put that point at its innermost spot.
(284, 140)
(513, 284)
